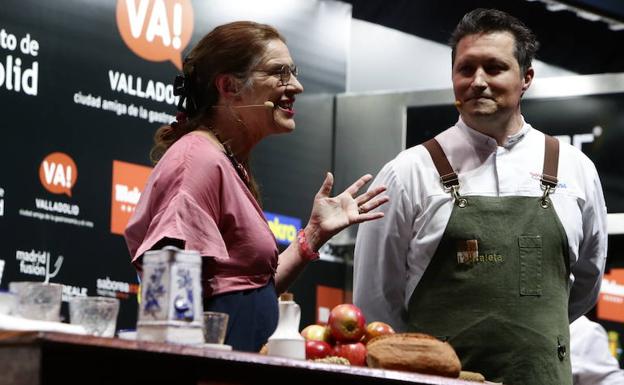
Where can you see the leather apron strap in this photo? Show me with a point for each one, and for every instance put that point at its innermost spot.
(551, 162)
(448, 177)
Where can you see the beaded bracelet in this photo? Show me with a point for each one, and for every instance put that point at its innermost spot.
(304, 247)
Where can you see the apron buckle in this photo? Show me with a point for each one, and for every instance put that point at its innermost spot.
(545, 201)
(459, 201)
(549, 183)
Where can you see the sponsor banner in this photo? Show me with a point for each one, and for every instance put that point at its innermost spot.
(159, 92)
(19, 68)
(70, 291)
(43, 216)
(156, 30)
(58, 174)
(67, 131)
(284, 228)
(106, 287)
(128, 182)
(611, 300)
(38, 263)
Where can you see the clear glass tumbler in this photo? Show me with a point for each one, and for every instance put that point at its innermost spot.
(37, 300)
(215, 327)
(98, 315)
(7, 302)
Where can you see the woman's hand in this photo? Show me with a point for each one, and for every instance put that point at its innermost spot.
(329, 216)
(332, 214)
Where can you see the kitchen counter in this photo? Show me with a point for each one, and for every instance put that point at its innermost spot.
(38, 358)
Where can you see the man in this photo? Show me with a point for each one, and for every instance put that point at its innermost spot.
(492, 227)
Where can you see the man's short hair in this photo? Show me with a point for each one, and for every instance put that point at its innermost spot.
(483, 20)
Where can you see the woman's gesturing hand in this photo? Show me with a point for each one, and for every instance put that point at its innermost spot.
(332, 214)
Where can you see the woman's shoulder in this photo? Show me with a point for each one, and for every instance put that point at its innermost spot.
(193, 149)
(196, 146)
(192, 156)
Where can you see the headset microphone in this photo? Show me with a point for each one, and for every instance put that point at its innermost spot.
(268, 104)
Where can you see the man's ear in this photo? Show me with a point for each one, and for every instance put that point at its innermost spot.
(227, 86)
(527, 79)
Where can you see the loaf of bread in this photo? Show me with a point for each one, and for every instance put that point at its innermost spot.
(414, 352)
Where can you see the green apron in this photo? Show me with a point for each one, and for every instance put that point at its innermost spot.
(497, 287)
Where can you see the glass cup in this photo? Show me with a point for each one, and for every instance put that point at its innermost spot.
(215, 326)
(7, 302)
(37, 300)
(97, 315)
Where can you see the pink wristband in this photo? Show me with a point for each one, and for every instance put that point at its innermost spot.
(304, 247)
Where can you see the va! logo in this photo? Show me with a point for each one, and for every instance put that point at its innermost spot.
(58, 173)
(156, 30)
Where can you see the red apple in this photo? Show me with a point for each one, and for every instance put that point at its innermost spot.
(346, 323)
(376, 329)
(354, 352)
(316, 333)
(317, 349)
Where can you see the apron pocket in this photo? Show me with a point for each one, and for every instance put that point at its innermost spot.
(530, 247)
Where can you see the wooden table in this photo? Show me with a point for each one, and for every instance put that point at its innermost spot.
(41, 358)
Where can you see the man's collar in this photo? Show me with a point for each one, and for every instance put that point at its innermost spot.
(484, 141)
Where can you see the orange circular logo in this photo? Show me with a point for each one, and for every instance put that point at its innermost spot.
(156, 30)
(58, 173)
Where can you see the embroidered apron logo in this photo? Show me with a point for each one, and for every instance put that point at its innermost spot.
(468, 252)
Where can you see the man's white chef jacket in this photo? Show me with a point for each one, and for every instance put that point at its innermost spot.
(592, 362)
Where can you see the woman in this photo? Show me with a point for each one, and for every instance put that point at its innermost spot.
(239, 86)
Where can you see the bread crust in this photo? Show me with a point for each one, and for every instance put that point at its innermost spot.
(414, 352)
(471, 376)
